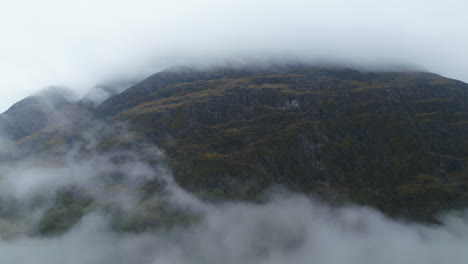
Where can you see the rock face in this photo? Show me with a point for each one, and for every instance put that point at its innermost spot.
(397, 141)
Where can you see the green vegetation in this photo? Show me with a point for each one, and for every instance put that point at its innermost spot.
(59, 219)
(70, 205)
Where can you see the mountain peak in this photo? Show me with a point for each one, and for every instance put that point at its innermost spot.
(34, 112)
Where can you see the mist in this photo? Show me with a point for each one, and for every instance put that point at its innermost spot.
(288, 229)
(82, 44)
(86, 203)
(132, 211)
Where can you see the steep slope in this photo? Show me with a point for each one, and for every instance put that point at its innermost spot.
(393, 140)
(397, 141)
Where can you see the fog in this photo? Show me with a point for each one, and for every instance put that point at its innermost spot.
(125, 206)
(112, 187)
(288, 229)
(84, 43)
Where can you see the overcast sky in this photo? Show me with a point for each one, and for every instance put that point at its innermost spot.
(81, 43)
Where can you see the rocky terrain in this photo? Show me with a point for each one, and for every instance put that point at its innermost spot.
(396, 141)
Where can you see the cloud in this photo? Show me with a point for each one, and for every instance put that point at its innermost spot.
(121, 221)
(285, 230)
(83, 43)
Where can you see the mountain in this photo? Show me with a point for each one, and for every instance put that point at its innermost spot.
(397, 141)
(34, 113)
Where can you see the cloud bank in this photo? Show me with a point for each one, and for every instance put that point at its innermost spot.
(287, 229)
(84, 43)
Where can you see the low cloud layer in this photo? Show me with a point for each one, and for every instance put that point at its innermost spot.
(123, 206)
(84, 43)
(285, 230)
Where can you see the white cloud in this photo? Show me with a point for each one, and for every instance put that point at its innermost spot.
(80, 43)
(288, 230)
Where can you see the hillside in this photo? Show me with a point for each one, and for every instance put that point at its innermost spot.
(397, 141)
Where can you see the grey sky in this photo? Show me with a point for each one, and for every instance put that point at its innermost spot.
(80, 43)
